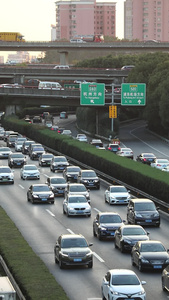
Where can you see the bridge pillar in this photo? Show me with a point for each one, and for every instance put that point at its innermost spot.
(11, 109)
(63, 57)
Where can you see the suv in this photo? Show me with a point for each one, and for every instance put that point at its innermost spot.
(6, 175)
(73, 250)
(143, 212)
(36, 152)
(58, 163)
(16, 160)
(89, 179)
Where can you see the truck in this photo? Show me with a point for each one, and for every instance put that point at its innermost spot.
(7, 291)
(97, 38)
(11, 37)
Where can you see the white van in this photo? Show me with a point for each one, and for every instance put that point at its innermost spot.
(62, 67)
(48, 85)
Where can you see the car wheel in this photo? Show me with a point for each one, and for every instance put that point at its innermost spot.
(98, 187)
(64, 211)
(158, 225)
(60, 264)
(115, 245)
(163, 285)
(121, 247)
(103, 298)
(140, 266)
(100, 237)
(105, 199)
(132, 261)
(67, 213)
(94, 233)
(89, 216)
(56, 260)
(52, 202)
(28, 199)
(90, 265)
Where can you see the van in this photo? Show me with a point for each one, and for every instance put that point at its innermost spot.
(48, 85)
(77, 41)
(61, 67)
(63, 115)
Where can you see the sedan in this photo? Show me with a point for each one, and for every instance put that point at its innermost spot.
(77, 189)
(45, 159)
(57, 184)
(70, 173)
(117, 194)
(165, 279)
(127, 235)
(18, 146)
(160, 163)
(29, 172)
(150, 255)
(125, 152)
(73, 250)
(6, 175)
(4, 152)
(122, 284)
(76, 205)
(40, 193)
(81, 137)
(16, 160)
(58, 163)
(146, 158)
(105, 224)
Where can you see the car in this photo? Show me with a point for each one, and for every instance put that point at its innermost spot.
(16, 160)
(151, 255)
(18, 146)
(54, 128)
(125, 152)
(112, 147)
(122, 284)
(63, 115)
(117, 194)
(81, 137)
(6, 175)
(6, 134)
(31, 146)
(105, 224)
(29, 172)
(143, 211)
(45, 114)
(40, 193)
(76, 205)
(66, 132)
(57, 185)
(146, 158)
(60, 130)
(73, 250)
(165, 279)
(45, 159)
(37, 119)
(4, 152)
(48, 123)
(129, 67)
(27, 120)
(25, 146)
(96, 142)
(2, 132)
(10, 141)
(117, 90)
(70, 173)
(89, 179)
(127, 235)
(60, 67)
(77, 189)
(160, 163)
(166, 169)
(36, 152)
(58, 163)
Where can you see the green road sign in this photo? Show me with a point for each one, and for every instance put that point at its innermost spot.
(92, 94)
(133, 94)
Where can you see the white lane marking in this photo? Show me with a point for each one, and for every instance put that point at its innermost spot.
(145, 142)
(50, 212)
(70, 231)
(21, 186)
(96, 209)
(98, 257)
(94, 298)
(46, 175)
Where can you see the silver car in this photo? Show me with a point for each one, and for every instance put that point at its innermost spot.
(76, 205)
(29, 172)
(117, 194)
(6, 175)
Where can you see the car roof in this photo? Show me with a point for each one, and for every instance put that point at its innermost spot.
(122, 271)
(70, 236)
(131, 226)
(108, 213)
(151, 242)
(140, 200)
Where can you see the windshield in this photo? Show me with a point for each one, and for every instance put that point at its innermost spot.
(133, 231)
(77, 188)
(125, 280)
(73, 170)
(43, 188)
(152, 247)
(38, 149)
(74, 242)
(5, 170)
(110, 219)
(60, 159)
(47, 156)
(5, 149)
(30, 167)
(118, 189)
(77, 200)
(89, 174)
(57, 180)
(17, 156)
(145, 207)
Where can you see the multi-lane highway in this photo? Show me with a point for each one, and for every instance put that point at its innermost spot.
(40, 225)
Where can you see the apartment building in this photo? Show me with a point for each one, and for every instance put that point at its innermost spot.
(85, 18)
(146, 20)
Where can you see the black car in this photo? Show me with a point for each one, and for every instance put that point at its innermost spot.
(89, 179)
(40, 193)
(10, 142)
(143, 212)
(127, 235)
(45, 159)
(71, 173)
(36, 152)
(37, 119)
(16, 160)
(105, 224)
(150, 255)
(146, 158)
(73, 250)
(57, 185)
(25, 146)
(165, 279)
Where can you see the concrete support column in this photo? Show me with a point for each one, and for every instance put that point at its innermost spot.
(63, 57)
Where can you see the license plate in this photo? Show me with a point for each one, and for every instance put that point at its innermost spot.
(4, 179)
(44, 199)
(157, 267)
(77, 259)
(60, 192)
(148, 221)
(18, 164)
(112, 233)
(79, 212)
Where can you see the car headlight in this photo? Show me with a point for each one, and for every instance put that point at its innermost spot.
(156, 214)
(143, 260)
(88, 253)
(96, 180)
(64, 254)
(51, 196)
(138, 214)
(127, 241)
(141, 293)
(70, 208)
(167, 261)
(102, 228)
(35, 196)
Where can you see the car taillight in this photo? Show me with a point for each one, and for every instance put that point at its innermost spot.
(109, 148)
(144, 159)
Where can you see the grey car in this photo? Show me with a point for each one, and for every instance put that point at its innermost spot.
(57, 184)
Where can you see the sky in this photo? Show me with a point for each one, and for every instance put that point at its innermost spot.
(33, 18)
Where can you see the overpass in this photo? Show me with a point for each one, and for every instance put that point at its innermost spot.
(64, 47)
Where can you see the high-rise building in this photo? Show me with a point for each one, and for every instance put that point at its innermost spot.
(146, 20)
(85, 17)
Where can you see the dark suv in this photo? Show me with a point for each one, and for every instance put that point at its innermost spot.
(143, 212)
(73, 250)
(89, 179)
(16, 160)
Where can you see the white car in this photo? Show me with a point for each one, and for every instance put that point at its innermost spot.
(18, 146)
(117, 194)
(76, 205)
(4, 152)
(125, 152)
(160, 163)
(6, 175)
(81, 137)
(122, 284)
(166, 169)
(29, 172)
(66, 132)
